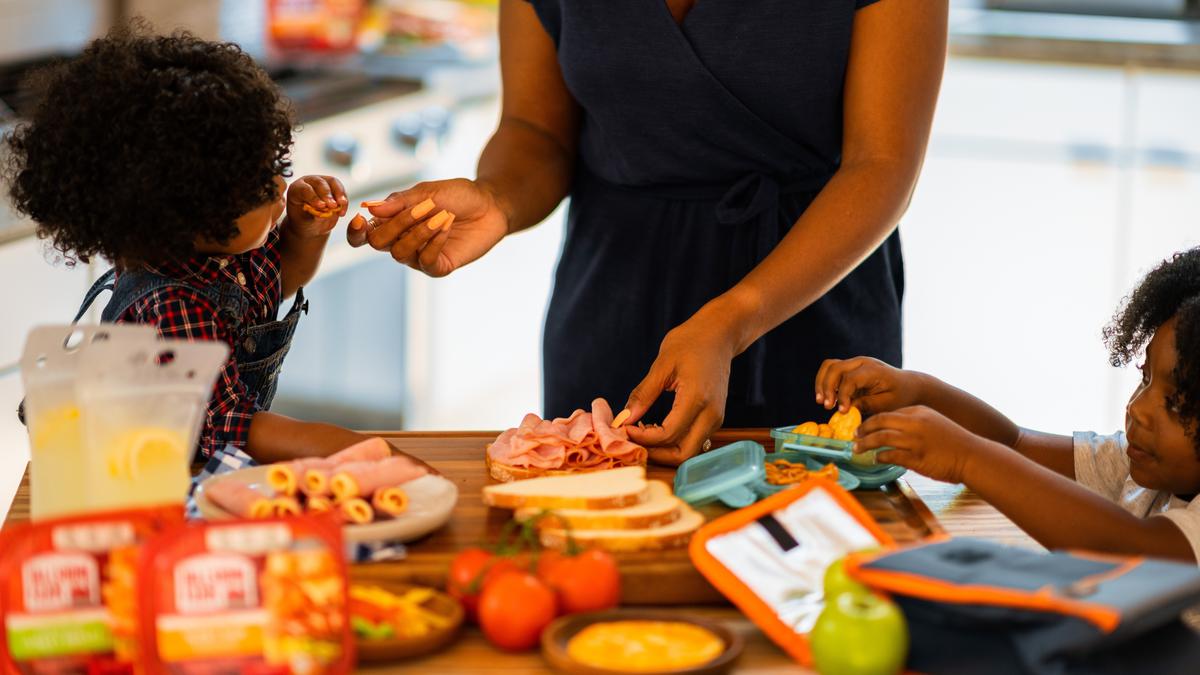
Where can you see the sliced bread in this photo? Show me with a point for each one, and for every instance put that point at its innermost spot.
(661, 507)
(671, 535)
(610, 489)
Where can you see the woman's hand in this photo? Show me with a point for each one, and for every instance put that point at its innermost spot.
(402, 225)
(693, 361)
(924, 440)
(326, 200)
(868, 383)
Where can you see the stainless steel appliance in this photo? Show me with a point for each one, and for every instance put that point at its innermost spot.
(1130, 8)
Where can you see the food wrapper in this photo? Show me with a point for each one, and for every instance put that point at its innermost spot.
(143, 407)
(237, 596)
(50, 365)
(66, 590)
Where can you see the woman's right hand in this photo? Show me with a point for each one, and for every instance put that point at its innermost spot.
(868, 383)
(479, 224)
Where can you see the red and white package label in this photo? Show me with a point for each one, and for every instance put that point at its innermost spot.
(54, 582)
(216, 582)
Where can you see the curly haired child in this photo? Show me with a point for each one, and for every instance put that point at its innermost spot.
(166, 155)
(1133, 492)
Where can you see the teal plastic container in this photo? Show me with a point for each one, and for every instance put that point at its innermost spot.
(817, 451)
(736, 475)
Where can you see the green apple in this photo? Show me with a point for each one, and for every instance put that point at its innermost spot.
(837, 581)
(859, 634)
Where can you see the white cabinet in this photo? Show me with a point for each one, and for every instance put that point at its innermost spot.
(1008, 266)
(36, 290)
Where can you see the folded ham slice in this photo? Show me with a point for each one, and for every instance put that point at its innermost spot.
(583, 440)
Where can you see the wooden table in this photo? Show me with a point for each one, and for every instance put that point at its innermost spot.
(912, 506)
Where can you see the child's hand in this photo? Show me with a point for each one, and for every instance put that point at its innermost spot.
(868, 383)
(314, 204)
(923, 440)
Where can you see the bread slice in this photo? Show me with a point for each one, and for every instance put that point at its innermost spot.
(671, 535)
(610, 489)
(661, 507)
(507, 472)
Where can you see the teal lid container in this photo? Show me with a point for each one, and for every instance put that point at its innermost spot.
(818, 451)
(727, 474)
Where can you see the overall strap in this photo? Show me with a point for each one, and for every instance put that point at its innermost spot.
(104, 283)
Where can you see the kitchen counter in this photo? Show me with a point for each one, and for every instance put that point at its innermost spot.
(936, 506)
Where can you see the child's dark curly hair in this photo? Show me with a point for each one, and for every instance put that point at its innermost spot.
(145, 143)
(1170, 290)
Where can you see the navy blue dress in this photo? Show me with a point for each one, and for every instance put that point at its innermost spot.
(701, 144)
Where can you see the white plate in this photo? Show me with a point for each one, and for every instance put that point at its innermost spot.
(431, 500)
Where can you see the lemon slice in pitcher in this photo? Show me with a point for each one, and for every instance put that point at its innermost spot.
(145, 452)
(153, 452)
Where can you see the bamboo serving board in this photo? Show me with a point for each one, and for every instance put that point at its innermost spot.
(651, 578)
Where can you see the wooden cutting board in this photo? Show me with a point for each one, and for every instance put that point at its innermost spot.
(652, 578)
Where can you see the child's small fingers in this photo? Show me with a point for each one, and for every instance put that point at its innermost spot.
(301, 192)
(884, 420)
(894, 456)
(323, 191)
(879, 439)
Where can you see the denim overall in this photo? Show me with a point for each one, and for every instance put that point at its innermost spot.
(259, 349)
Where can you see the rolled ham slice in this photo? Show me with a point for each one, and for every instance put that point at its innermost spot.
(390, 501)
(239, 499)
(319, 505)
(316, 482)
(287, 478)
(372, 449)
(360, 479)
(356, 511)
(286, 506)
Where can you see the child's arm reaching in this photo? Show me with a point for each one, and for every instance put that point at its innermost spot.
(274, 438)
(1057, 512)
(876, 387)
(314, 204)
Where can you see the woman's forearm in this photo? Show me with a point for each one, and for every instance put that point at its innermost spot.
(1062, 514)
(852, 215)
(527, 171)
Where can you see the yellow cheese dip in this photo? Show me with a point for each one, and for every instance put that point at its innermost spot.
(644, 646)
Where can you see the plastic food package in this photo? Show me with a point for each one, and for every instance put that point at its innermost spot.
(246, 595)
(50, 365)
(67, 590)
(143, 405)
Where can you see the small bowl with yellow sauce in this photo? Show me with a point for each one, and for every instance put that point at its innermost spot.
(633, 641)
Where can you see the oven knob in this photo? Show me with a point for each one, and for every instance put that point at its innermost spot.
(407, 131)
(341, 149)
(436, 120)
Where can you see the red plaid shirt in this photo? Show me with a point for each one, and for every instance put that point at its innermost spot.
(179, 312)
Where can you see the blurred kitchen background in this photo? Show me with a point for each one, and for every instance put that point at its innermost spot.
(1065, 161)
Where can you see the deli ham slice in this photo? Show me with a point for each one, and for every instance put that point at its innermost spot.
(583, 440)
(372, 449)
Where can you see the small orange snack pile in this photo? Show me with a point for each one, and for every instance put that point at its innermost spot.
(841, 426)
(360, 484)
(312, 210)
(783, 472)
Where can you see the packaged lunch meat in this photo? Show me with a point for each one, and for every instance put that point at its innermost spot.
(66, 590)
(246, 596)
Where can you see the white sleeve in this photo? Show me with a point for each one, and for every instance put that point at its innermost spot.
(1188, 521)
(1101, 464)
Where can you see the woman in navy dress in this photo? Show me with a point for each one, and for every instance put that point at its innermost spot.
(736, 171)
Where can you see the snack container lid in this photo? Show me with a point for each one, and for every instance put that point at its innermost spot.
(726, 474)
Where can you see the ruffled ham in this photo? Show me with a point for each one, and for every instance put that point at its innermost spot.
(583, 440)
